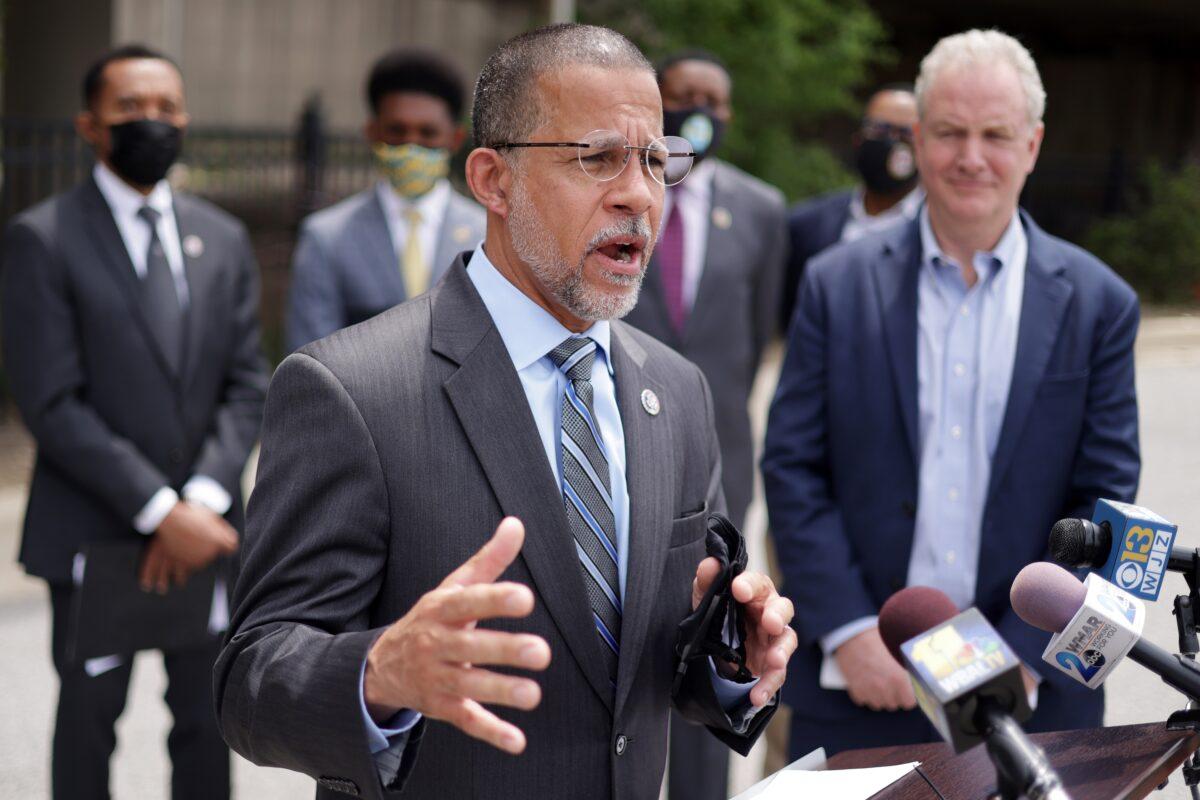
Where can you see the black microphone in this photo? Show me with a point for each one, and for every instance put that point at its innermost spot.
(1124, 544)
(1049, 598)
(968, 682)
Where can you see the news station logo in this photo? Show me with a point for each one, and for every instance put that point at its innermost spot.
(1143, 560)
(955, 661)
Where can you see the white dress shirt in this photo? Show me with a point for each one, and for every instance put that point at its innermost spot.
(694, 197)
(431, 206)
(859, 223)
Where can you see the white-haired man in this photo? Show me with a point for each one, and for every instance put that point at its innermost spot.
(952, 387)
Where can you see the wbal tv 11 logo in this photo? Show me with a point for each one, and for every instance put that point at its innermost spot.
(956, 662)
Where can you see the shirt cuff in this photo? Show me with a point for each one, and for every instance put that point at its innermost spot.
(205, 491)
(730, 694)
(839, 636)
(379, 736)
(155, 511)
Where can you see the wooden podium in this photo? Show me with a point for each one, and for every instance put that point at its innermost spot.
(1129, 761)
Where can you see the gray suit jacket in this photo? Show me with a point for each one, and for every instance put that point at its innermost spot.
(735, 312)
(345, 269)
(391, 451)
(112, 420)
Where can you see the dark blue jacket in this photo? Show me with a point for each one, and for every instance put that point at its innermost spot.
(840, 460)
(813, 225)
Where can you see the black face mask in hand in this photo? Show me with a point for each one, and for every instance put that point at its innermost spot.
(887, 166)
(144, 149)
(698, 125)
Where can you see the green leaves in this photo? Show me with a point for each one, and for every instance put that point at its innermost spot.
(793, 62)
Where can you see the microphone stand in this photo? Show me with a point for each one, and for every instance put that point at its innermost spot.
(1189, 644)
(1022, 769)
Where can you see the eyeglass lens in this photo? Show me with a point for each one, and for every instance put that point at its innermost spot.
(605, 154)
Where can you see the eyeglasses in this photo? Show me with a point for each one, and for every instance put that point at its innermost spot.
(603, 155)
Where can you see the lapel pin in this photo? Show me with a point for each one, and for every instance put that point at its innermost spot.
(650, 402)
(722, 218)
(462, 234)
(193, 246)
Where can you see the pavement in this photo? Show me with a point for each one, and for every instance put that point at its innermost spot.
(1168, 378)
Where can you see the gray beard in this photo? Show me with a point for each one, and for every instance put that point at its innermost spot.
(535, 246)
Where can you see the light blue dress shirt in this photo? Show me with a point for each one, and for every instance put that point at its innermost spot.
(529, 333)
(966, 347)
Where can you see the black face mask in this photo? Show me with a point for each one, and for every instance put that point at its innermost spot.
(698, 126)
(144, 149)
(887, 166)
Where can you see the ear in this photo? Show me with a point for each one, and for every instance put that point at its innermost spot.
(1035, 145)
(88, 127)
(490, 179)
(371, 130)
(460, 135)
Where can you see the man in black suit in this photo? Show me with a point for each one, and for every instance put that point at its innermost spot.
(394, 448)
(712, 294)
(131, 342)
(889, 193)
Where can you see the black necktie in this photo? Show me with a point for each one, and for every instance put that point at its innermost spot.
(160, 299)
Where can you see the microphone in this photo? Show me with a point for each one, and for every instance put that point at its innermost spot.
(1125, 544)
(968, 682)
(1096, 625)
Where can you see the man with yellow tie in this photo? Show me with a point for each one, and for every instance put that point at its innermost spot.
(392, 241)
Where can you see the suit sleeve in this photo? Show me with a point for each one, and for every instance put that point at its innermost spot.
(314, 304)
(1107, 459)
(287, 680)
(43, 359)
(769, 279)
(821, 574)
(698, 699)
(236, 421)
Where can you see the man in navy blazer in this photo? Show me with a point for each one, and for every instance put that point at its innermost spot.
(952, 387)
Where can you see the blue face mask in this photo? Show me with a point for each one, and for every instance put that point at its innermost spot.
(698, 125)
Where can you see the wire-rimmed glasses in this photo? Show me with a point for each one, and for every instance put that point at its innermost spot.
(603, 154)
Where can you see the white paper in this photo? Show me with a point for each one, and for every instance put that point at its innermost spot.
(834, 784)
(814, 760)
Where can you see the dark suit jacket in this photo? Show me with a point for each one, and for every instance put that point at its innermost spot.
(345, 268)
(840, 464)
(391, 450)
(734, 315)
(813, 225)
(113, 423)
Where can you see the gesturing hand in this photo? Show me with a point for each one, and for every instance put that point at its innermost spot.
(428, 659)
(770, 642)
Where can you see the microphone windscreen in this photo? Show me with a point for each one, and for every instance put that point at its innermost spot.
(910, 612)
(1046, 596)
(1067, 541)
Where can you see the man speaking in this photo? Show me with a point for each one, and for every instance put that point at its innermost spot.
(503, 400)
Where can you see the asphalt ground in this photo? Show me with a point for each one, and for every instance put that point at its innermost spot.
(1168, 377)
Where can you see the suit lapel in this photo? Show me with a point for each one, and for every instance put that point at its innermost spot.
(374, 238)
(1043, 308)
(199, 266)
(896, 280)
(490, 403)
(648, 474)
(720, 250)
(116, 258)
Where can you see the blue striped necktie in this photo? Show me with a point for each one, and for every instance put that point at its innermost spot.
(588, 496)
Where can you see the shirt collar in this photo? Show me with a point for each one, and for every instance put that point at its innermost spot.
(907, 208)
(1003, 253)
(124, 200)
(431, 205)
(699, 181)
(528, 331)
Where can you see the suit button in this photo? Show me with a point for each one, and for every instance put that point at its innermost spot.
(622, 743)
(176, 455)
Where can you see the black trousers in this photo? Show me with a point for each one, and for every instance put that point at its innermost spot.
(699, 765)
(88, 708)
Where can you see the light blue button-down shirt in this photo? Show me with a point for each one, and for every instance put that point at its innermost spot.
(529, 333)
(966, 347)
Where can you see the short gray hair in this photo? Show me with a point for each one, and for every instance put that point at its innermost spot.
(507, 107)
(976, 48)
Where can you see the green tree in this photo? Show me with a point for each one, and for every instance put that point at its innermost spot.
(1156, 247)
(793, 62)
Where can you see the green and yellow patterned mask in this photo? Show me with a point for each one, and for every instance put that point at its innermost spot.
(411, 169)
